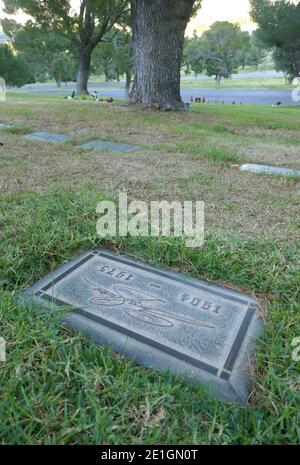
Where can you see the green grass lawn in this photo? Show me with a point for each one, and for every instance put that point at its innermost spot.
(238, 83)
(57, 387)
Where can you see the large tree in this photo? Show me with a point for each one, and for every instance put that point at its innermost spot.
(85, 28)
(219, 51)
(158, 28)
(279, 27)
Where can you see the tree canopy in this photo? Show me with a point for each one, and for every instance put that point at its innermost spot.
(279, 28)
(47, 53)
(219, 51)
(13, 68)
(84, 29)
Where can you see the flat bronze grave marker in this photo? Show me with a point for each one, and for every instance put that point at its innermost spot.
(48, 137)
(160, 319)
(112, 146)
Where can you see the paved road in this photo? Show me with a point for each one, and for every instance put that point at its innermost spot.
(244, 96)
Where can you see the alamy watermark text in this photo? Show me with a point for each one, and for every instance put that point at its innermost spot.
(165, 219)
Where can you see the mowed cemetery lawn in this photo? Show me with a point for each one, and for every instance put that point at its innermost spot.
(239, 83)
(57, 387)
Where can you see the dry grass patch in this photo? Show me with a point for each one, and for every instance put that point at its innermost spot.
(265, 152)
(235, 202)
(272, 154)
(185, 156)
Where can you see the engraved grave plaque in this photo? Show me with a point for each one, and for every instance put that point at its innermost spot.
(48, 137)
(112, 146)
(160, 319)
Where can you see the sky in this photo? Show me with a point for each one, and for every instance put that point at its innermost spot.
(19, 17)
(236, 11)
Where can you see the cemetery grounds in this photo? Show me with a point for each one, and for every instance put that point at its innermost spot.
(57, 387)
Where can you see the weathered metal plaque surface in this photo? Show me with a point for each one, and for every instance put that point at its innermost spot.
(48, 137)
(161, 319)
(106, 145)
(269, 170)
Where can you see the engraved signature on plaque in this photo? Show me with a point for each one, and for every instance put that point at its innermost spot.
(143, 305)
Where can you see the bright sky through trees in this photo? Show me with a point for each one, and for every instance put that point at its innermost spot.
(236, 11)
(211, 11)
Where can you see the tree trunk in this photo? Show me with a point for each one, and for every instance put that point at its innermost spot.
(218, 80)
(128, 81)
(85, 58)
(158, 28)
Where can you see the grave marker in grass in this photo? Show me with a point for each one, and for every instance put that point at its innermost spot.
(160, 319)
(107, 145)
(48, 137)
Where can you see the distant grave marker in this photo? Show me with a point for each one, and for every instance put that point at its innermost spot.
(48, 137)
(2, 90)
(263, 169)
(106, 145)
(160, 319)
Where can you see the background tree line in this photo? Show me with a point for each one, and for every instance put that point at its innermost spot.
(44, 55)
(118, 37)
(221, 51)
(279, 30)
(67, 37)
(36, 55)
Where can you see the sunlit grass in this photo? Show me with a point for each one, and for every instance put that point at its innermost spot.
(57, 387)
